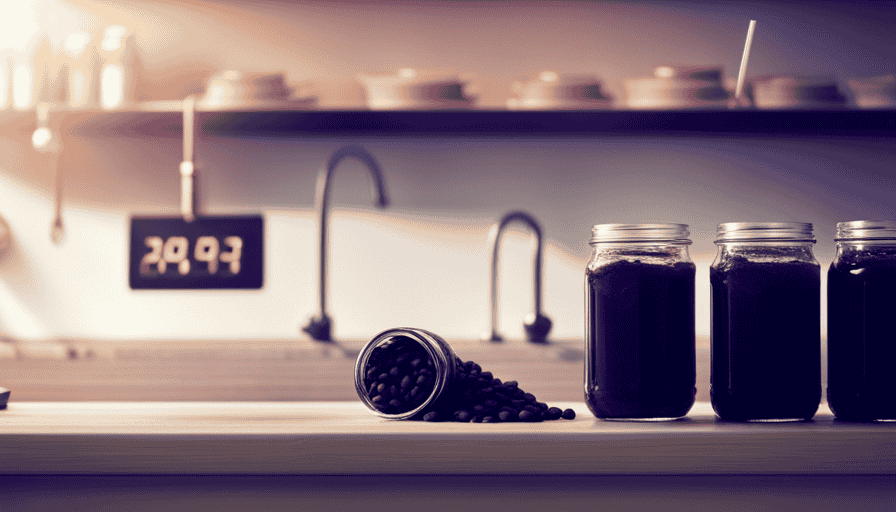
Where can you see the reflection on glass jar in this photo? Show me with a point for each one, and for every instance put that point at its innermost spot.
(766, 322)
(639, 319)
(861, 305)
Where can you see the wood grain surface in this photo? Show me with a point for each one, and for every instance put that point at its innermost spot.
(345, 438)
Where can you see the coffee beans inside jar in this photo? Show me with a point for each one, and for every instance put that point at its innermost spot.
(414, 374)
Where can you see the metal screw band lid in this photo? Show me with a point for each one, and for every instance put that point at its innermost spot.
(641, 233)
(765, 232)
(859, 230)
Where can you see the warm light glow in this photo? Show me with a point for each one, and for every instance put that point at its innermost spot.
(664, 72)
(112, 86)
(18, 24)
(23, 87)
(76, 43)
(548, 76)
(41, 138)
(4, 85)
(112, 37)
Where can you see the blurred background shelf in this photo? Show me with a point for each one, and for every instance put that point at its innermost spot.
(163, 119)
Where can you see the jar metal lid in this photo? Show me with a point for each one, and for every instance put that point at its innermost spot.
(857, 230)
(765, 232)
(641, 233)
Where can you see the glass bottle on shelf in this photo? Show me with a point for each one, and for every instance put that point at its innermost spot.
(766, 322)
(121, 68)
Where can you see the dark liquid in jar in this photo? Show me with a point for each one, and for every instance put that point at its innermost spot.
(766, 340)
(861, 340)
(640, 343)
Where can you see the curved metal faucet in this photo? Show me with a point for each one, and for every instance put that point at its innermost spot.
(536, 324)
(319, 325)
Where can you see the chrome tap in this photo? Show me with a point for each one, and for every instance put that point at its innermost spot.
(536, 324)
(319, 325)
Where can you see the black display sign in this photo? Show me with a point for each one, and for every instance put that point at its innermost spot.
(205, 253)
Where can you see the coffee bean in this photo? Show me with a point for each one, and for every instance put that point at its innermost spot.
(554, 413)
(507, 416)
(488, 419)
(525, 415)
(406, 382)
(431, 416)
(569, 414)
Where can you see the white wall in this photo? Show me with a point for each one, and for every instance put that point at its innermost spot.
(424, 261)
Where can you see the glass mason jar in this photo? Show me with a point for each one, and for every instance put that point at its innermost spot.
(639, 322)
(402, 373)
(861, 306)
(766, 322)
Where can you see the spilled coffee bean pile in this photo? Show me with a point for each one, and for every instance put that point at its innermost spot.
(400, 377)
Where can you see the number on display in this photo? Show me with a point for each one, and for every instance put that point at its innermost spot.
(176, 250)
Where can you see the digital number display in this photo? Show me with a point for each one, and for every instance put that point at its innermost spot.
(206, 253)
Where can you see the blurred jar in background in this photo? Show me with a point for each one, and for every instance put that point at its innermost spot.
(5, 80)
(83, 71)
(121, 68)
(31, 74)
(874, 92)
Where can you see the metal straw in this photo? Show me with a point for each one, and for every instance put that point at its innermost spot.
(743, 61)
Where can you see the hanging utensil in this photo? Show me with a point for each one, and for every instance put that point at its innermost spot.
(46, 141)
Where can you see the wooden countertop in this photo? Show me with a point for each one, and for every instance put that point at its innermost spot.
(342, 438)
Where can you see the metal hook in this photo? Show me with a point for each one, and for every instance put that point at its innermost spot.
(536, 324)
(187, 169)
(319, 326)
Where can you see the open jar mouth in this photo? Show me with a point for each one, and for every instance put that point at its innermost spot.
(436, 350)
(765, 232)
(667, 233)
(866, 230)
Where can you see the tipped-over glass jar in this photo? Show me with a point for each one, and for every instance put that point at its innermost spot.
(413, 369)
(640, 359)
(861, 305)
(766, 322)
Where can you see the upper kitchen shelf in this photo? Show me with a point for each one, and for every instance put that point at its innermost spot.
(164, 119)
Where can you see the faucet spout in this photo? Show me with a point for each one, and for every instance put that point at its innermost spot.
(536, 324)
(319, 326)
